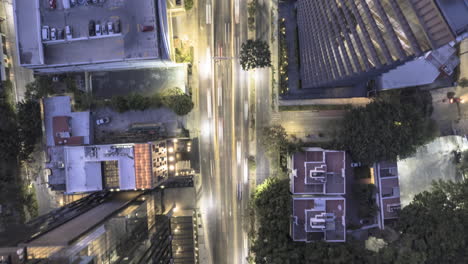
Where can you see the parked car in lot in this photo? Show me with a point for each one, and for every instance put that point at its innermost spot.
(117, 26)
(110, 27)
(104, 29)
(98, 29)
(45, 33)
(92, 28)
(60, 34)
(52, 4)
(102, 121)
(68, 32)
(53, 34)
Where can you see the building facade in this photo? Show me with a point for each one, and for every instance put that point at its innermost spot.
(345, 42)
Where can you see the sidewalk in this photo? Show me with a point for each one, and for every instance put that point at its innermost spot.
(19, 76)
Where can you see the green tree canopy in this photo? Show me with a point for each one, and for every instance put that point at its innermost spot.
(29, 126)
(274, 139)
(394, 125)
(177, 100)
(255, 54)
(434, 227)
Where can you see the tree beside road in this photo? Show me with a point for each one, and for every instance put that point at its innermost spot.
(393, 125)
(255, 54)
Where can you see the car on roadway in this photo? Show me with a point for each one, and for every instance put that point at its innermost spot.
(92, 28)
(53, 34)
(98, 29)
(45, 33)
(239, 191)
(110, 27)
(68, 32)
(102, 121)
(53, 4)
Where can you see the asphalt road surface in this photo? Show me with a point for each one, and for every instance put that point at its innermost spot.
(224, 129)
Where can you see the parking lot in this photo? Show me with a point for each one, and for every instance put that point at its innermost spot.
(131, 43)
(121, 122)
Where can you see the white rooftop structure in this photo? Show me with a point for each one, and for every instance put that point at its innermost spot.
(83, 166)
(422, 70)
(61, 106)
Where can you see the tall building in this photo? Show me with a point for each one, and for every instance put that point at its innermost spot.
(343, 42)
(111, 227)
(73, 36)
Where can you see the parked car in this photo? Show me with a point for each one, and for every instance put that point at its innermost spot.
(117, 26)
(73, 2)
(98, 29)
(147, 28)
(60, 34)
(45, 33)
(104, 29)
(94, 1)
(110, 27)
(68, 32)
(52, 4)
(356, 164)
(102, 121)
(92, 28)
(53, 34)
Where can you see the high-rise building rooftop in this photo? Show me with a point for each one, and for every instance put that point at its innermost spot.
(345, 42)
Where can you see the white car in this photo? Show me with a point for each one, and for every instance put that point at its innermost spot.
(102, 121)
(98, 29)
(68, 32)
(110, 27)
(45, 33)
(53, 34)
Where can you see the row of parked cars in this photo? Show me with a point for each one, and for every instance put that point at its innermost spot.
(98, 29)
(85, 2)
(53, 3)
(48, 33)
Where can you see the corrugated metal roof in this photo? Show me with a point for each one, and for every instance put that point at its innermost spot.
(436, 28)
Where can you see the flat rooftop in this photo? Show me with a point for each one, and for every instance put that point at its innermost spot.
(60, 106)
(130, 44)
(318, 172)
(316, 219)
(84, 167)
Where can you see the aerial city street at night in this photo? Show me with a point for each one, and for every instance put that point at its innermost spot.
(233, 131)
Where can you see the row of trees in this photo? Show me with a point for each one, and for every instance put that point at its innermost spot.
(433, 228)
(174, 98)
(21, 127)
